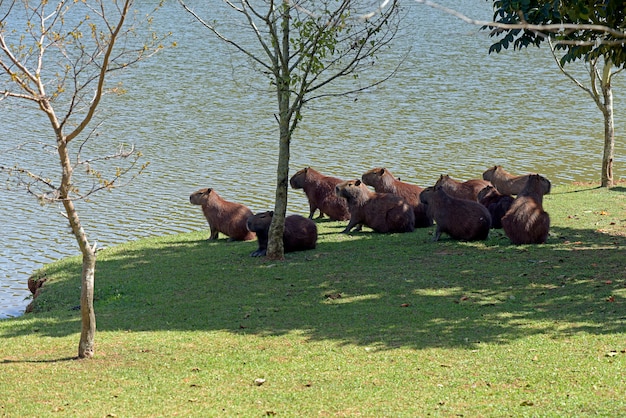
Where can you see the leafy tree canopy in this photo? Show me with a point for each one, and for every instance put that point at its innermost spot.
(585, 42)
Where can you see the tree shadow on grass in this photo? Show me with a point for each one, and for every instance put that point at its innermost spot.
(364, 288)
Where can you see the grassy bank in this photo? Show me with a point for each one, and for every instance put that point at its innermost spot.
(365, 325)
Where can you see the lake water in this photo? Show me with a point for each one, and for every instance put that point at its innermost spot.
(202, 118)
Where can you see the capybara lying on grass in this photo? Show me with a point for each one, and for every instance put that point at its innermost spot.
(229, 218)
(299, 234)
(462, 189)
(383, 181)
(383, 212)
(505, 182)
(497, 204)
(526, 222)
(462, 219)
(320, 192)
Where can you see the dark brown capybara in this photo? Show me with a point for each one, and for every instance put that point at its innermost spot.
(320, 192)
(383, 212)
(383, 181)
(462, 219)
(505, 182)
(497, 204)
(299, 234)
(223, 216)
(526, 222)
(462, 189)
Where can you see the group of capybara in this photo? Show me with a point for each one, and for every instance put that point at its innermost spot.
(464, 210)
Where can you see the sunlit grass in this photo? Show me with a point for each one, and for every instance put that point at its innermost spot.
(365, 325)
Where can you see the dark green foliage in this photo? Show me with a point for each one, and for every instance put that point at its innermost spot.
(540, 12)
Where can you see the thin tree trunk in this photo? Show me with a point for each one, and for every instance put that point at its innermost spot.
(609, 130)
(275, 247)
(86, 345)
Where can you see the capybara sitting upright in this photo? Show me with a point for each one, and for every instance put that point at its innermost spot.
(320, 192)
(462, 189)
(299, 234)
(497, 204)
(229, 218)
(462, 219)
(505, 182)
(526, 222)
(383, 212)
(383, 181)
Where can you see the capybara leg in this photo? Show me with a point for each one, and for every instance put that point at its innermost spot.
(214, 233)
(312, 210)
(437, 234)
(351, 225)
(259, 253)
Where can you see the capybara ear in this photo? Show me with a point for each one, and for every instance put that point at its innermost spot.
(381, 172)
(208, 190)
(271, 213)
(357, 183)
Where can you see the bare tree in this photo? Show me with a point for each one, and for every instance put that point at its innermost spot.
(55, 57)
(303, 47)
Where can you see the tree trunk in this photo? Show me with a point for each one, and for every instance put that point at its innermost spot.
(609, 129)
(88, 317)
(275, 247)
(86, 345)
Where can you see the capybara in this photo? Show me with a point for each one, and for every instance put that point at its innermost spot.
(505, 182)
(526, 222)
(462, 189)
(383, 212)
(383, 181)
(497, 204)
(229, 218)
(299, 234)
(320, 192)
(462, 219)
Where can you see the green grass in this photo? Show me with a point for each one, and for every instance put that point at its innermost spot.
(365, 325)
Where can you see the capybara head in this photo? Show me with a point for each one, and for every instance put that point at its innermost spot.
(200, 196)
(427, 193)
(351, 190)
(297, 180)
(260, 222)
(374, 176)
(488, 174)
(537, 184)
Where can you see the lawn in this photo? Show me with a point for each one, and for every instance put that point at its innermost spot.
(365, 325)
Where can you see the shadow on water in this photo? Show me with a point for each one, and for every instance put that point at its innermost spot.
(369, 289)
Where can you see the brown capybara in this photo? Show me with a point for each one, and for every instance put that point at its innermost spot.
(505, 182)
(223, 216)
(526, 222)
(383, 212)
(383, 181)
(320, 192)
(299, 234)
(497, 204)
(462, 189)
(462, 219)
